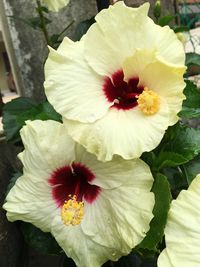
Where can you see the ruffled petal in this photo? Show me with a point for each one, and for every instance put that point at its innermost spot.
(169, 48)
(117, 32)
(120, 30)
(126, 133)
(30, 200)
(71, 86)
(123, 213)
(108, 175)
(182, 232)
(42, 154)
(80, 247)
(134, 65)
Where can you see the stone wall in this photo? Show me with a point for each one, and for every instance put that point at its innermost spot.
(28, 45)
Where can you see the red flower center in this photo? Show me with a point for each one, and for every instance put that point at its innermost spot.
(73, 180)
(124, 94)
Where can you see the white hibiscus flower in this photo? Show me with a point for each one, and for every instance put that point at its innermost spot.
(96, 211)
(121, 86)
(182, 232)
(55, 5)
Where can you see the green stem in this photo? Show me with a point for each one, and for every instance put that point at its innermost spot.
(43, 24)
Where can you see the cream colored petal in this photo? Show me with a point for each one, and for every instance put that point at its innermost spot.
(47, 147)
(72, 87)
(70, 49)
(134, 66)
(30, 200)
(113, 173)
(118, 31)
(169, 48)
(121, 30)
(123, 213)
(55, 5)
(182, 232)
(167, 81)
(80, 247)
(125, 133)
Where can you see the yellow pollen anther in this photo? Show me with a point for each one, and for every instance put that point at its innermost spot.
(149, 102)
(72, 211)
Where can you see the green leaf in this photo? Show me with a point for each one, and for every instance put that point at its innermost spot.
(16, 112)
(83, 27)
(169, 159)
(191, 105)
(40, 241)
(43, 9)
(163, 197)
(56, 39)
(131, 260)
(13, 181)
(11, 111)
(36, 22)
(192, 168)
(192, 59)
(165, 20)
(176, 179)
(181, 29)
(184, 141)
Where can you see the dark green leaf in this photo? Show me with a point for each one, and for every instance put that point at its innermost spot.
(149, 158)
(13, 181)
(54, 38)
(40, 241)
(176, 178)
(149, 262)
(191, 106)
(181, 29)
(192, 59)
(43, 9)
(184, 141)
(36, 22)
(131, 260)
(165, 20)
(16, 112)
(191, 169)
(162, 193)
(169, 159)
(11, 111)
(83, 27)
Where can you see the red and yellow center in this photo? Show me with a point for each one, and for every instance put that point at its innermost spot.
(127, 95)
(70, 189)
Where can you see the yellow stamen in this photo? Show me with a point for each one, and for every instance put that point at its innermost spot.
(72, 211)
(148, 102)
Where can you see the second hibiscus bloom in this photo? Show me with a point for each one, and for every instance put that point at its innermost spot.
(121, 86)
(96, 211)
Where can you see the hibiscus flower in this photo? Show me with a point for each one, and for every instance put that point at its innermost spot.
(182, 232)
(55, 5)
(121, 86)
(96, 211)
